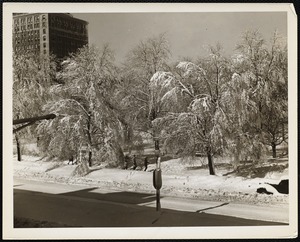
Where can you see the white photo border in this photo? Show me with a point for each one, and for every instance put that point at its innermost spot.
(288, 231)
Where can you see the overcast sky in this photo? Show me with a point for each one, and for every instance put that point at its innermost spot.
(187, 33)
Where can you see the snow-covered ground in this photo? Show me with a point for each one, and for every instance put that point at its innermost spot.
(180, 179)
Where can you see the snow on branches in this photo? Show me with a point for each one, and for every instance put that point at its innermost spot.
(85, 114)
(190, 68)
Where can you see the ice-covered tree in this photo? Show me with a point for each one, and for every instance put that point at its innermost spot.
(264, 67)
(84, 108)
(32, 77)
(201, 125)
(148, 57)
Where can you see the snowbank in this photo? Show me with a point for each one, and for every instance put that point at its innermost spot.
(179, 179)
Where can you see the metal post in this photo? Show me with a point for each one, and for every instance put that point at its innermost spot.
(158, 207)
(158, 163)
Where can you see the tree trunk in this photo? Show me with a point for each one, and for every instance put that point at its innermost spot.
(18, 148)
(211, 165)
(273, 149)
(119, 154)
(283, 132)
(89, 138)
(128, 134)
(156, 144)
(90, 158)
(237, 154)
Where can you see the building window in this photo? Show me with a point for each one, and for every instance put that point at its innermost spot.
(44, 38)
(45, 52)
(44, 45)
(44, 31)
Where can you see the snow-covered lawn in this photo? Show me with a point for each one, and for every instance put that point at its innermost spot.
(179, 179)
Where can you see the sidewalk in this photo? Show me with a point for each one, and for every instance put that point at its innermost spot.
(187, 184)
(259, 212)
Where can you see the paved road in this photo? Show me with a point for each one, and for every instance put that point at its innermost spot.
(79, 206)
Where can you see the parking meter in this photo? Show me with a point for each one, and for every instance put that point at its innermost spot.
(157, 181)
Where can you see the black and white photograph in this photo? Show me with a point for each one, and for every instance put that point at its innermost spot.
(150, 121)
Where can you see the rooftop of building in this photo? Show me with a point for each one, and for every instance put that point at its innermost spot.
(68, 15)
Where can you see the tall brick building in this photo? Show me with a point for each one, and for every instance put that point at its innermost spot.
(48, 33)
